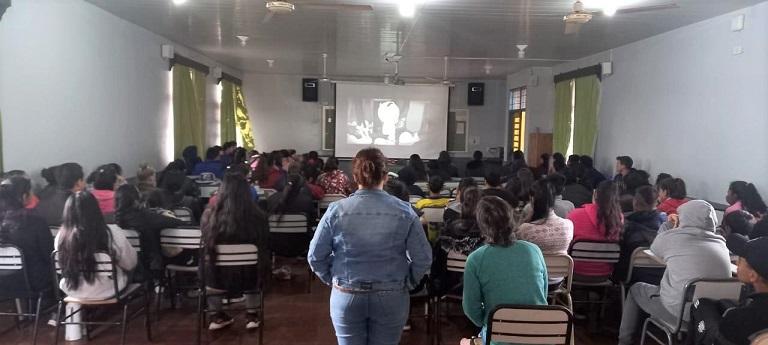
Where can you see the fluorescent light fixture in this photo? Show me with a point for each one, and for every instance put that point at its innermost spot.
(179, 2)
(407, 8)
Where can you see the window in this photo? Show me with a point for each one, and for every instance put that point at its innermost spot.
(517, 109)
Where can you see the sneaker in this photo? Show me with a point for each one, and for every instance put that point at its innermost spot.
(252, 321)
(219, 321)
(407, 326)
(233, 300)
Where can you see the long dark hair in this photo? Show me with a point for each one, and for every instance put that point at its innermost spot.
(750, 199)
(291, 191)
(608, 208)
(240, 156)
(127, 201)
(12, 192)
(469, 199)
(232, 216)
(104, 177)
(83, 233)
(526, 178)
(543, 199)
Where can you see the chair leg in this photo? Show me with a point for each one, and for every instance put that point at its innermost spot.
(645, 331)
(147, 316)
(172, 289)
(603, 303)
(261, 317)
(309, 280)
(200, 316)
(58, 324)
(124, 324)
(19, 310)
(37, 318)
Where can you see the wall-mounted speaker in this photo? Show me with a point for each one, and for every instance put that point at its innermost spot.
(476, 94)
(309, 87)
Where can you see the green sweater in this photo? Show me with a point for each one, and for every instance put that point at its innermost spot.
(497, 275)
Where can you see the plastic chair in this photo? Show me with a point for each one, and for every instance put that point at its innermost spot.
(291, 225)
(561, 266)
(639, 259)
(529, 324)
(456, 262)
(182, 238)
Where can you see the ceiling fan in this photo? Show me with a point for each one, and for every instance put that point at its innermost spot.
(579, 16)
(445, 80)
(288, 7)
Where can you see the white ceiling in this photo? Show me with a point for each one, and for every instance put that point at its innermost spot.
(356, 41)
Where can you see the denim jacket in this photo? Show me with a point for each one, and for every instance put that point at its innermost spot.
(370, 241)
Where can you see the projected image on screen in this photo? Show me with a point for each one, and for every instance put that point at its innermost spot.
(400, 120)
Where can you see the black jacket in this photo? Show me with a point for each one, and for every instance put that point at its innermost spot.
(292, 245)
(32, 236)
(416, 190)
(502, 193)
(475, 168)
(51, 207)
(740, 323)
(640, 229)
(148, 224)
(577, 194)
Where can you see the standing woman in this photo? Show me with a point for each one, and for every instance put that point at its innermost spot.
(370, 258)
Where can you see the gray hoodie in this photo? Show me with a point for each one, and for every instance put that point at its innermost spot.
(691, 251)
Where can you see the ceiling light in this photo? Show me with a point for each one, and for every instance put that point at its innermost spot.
(407, 8)
(609, 10)
(179, 2)
(243, 40)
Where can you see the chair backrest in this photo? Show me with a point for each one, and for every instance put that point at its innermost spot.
(433, 214)
(11, 258)
(560, 266)
(530, 324)
(595, 251)
(236, 255)
(268, 192)
(183, 213)
(716, 289)
(133, 238)
(326, 201)
(456, 261)
(761, 338)
(289, 223)
(640, 259)
(105, 268)
(181, 238)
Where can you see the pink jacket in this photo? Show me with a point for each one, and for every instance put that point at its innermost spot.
(585, 228)
(106, 199)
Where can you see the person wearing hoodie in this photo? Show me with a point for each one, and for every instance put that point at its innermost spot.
(104, 180)
(691, 250)
(599, 221)
(191, 158)
(640, 228)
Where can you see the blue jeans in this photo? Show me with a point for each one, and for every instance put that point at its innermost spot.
(369, 318)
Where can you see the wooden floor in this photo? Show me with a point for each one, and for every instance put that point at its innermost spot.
(292, 317)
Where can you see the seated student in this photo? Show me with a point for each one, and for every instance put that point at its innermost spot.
(453, 209)
(628, 185)
(520, 186)
(239, 156)
(445, 166)
(599, 221)
(119, 172)
(640, 228)
(131, 214)
(672, 194)
(212, 163)
(691, 250)
(83, 233)
(623, 168)
(744, 196)
(760, 229)
(737, 222)
(590, 177)
(228, 154)
(504, 270)
(557, 164)
(333, 180)
(191, 159)
(171, 195)
(189, 187)
(21, 228)
(310, 174)
(49, 175)
(721, 322)
(269, 174)
(575, 189)
(69, 179)
(32, 200)
(416, 166)
(295, 198)
(475, 167)
(543, 168)
(146, 181)
(408, 177)
(494, 188)
(235, 219)
(661, 177)
(434, 199)
(104, 182)
(516, 162)
(562, 207)
(313, 159)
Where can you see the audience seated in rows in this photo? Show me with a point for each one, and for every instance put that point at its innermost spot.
(435, 199)
(333, 180)
(453, 209)
(640, 229)
(475, 167)
(212, 163)
(69, 180)
(744, 196)
(269, 172)
(494, 188)
(504, 270)
(235, 219)
(83, 233)
(599, 221)
(576, 189)
(22, 228)
(691, 250)
(408, 177)
(171, 194)
(672, 195)
(146, 181)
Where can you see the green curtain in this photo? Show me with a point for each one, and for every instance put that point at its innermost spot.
(227, 120)
(585, 115)
(188, 108)
(242, 119)
(562, 126)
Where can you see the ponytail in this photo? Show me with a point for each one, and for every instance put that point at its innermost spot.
(752, 202)
(369, 167)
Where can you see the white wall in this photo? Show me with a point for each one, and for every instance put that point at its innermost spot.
(681, 103)
(281, 120)
(79, 84)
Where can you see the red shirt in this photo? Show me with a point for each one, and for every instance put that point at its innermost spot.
(585, 227)
(335, 182)
(669, 205)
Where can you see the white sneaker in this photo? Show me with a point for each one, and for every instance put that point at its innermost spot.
(252, 325)
(233, 300)
(407, 327)
(219, 321)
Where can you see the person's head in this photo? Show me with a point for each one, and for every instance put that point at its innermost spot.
(310, 172)
(173, 180)
(190, 152)
(49, 175)
(518, 155)
(369, 168)
(397, 189)
(83, 233)
(444, 160)
(286, 158)
(494, 218)
(752, 267)
(416, 163)
(213, 153)
(544, 159)
(558, 161)
(407, 176)
(477, 155)
(176, 165)
(609, 214)
(127, 199)
(470, 197)
(697, 214)
(492, 178)
(69, 176)
(661, 177)
(239, 156)
(558, 183)
(313, 155)
(542, 199)
(587, 162)
(738, 222)
(104, 178)
(229, 147)
(573, 160)
(146, 175)
(645, 199)
(526, 178)
(14, 192)
(435, 185)
(673, 188)
(463, 185)
(233, 211)
(331, 164)
(750, 198)
(623, 164)
(634, 180)
(293, 186)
